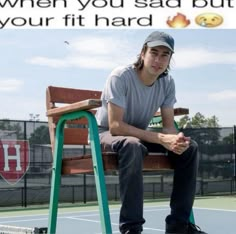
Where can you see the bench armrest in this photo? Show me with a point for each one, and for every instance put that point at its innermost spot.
(77, 106)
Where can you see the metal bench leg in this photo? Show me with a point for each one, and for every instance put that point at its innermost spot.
(56, 178)
(99, 175)
(191, 218)
(97, 166)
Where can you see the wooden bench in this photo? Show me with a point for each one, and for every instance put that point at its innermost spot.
(70, 112)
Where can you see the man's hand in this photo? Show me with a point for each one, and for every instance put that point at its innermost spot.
(176, 143)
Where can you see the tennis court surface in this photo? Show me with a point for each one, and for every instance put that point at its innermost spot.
(215, 215)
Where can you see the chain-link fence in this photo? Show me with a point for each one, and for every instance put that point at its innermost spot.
(32, 186)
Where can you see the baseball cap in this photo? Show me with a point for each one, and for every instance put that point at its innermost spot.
(160, 39)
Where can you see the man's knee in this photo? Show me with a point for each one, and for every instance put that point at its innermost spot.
(192, 151)
(193, 145)
(132, 153)
(133, 145)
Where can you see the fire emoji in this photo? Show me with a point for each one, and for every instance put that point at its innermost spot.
(178, 21)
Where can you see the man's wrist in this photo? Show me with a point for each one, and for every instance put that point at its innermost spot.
(160, 137)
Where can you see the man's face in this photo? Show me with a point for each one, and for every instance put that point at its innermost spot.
(156, 60)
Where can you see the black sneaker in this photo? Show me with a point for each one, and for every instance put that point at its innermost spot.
(183, 229)
(178, 228)
(194, 229)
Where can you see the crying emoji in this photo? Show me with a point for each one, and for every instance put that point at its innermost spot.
(209, 20)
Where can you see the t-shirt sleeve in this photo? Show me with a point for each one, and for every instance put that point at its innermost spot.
(115, 91)
(170, 98)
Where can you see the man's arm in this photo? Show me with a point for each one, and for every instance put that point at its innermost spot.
(182, 142)
(167, 115)
(118, 127)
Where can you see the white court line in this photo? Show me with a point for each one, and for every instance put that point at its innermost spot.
(89, 215)
(77, 214)
(70, 212)
(154, 229)
(59, 213)
(214, 209)
(22, 220)
(155, 210)
(59, 217)
(21, 216)
(111, 213)
(38, 215)
(89, 220)
(147, 207)
(114, 224)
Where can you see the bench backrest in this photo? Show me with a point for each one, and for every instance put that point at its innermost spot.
(57, 96)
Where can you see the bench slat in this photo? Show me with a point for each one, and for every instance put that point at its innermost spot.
(83, 164)
(75, 136)
(70, 95)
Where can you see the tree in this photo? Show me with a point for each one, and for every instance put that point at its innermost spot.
(212, 122)
(9, 125)
(228, 139)
(40, 136)
(201, 129)
(184, 122)
(198, 121)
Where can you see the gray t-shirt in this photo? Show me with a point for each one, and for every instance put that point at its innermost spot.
(123, 88)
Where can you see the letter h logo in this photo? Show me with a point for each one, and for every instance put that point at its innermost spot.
(14, 160)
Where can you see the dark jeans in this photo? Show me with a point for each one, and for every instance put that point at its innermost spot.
(130, 157)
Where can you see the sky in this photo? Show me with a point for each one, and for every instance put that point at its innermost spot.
(203, 67)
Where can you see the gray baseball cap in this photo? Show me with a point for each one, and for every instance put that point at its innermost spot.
(160, 39)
